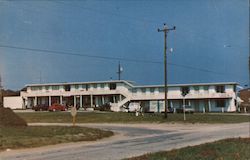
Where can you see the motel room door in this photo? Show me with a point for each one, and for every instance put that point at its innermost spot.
(196, 106)
(206, 105)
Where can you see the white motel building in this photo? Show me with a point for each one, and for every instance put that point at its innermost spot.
(124, 95)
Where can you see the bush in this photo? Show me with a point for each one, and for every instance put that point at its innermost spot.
(105, 107)
(9, 118)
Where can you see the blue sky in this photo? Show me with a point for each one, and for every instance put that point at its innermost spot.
(211, 43)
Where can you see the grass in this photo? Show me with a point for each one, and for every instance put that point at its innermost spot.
(228, 149)
(27, 137)
(118, 117)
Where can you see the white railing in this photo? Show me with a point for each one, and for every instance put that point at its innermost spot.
(178, 96)
(118, 106)
(128, 94)
(71, 93)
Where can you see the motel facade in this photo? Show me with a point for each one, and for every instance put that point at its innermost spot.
(125, 95)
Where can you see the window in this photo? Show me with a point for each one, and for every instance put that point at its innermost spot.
(76, 86)
(55, 87)
(152, 90)
(196, 88)
(134, 90)
(46, 87)
(184, 91)
(143, 90)
(161, 89)
(83, 86)
(86, 87)
(220, 103)
(220, 89)
(206, 88)
(34, 88)
(67, 87)
(94, 85)
(112, 86)
(102, 85)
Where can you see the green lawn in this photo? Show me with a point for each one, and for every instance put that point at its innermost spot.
(114, 117)
(228, 149)
(34, 136)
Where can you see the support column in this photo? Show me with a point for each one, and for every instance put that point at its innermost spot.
(61, 101)
(74, 101)
(97, 101)
(49, 100)
(91, 100)
(172, 106)
(209, 105)
(80, 101)
(103, 101)
(23, 104)
(120, 97)
(35, 101)
(114, 99)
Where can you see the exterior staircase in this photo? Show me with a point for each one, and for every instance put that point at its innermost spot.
(116, 107)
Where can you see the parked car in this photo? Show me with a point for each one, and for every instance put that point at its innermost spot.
(40, 107)
(57, 107)
(188, 109)
(104, 107)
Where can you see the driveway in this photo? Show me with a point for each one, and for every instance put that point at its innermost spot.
(131, 140)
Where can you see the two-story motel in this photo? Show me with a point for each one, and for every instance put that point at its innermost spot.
(203, 97)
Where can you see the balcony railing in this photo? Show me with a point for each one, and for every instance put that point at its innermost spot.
(141, 95)
(161, 95)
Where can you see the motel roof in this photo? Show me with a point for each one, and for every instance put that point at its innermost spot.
(131, 84)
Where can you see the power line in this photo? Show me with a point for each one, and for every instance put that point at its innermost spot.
(106, 58)
(78, 54)
(198, 35)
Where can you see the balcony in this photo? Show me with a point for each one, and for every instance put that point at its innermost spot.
(209, 95)
(92, 91)
(161, 95)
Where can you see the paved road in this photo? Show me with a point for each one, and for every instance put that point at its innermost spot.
(131, 140)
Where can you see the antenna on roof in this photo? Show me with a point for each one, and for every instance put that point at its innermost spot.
(1, 92)
(1, 82)
(120, 70)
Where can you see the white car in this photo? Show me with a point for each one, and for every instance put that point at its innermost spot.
(188, 109)
(134, 106)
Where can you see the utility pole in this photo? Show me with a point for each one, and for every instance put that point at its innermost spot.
(165, 30)
(249, 57)
(1, 82)
(1, 92)
(249, 76)
(249, 70)
(119, 71)
(249, 64)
